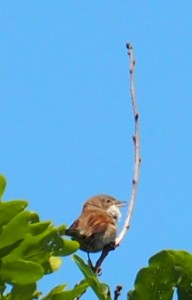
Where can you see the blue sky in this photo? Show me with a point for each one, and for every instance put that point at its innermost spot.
(66, 118)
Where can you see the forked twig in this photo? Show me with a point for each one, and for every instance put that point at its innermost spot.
(137, 162)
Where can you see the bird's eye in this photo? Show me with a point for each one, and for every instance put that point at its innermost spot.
(108, 200)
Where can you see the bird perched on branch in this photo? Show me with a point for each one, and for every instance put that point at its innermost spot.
(96, 227)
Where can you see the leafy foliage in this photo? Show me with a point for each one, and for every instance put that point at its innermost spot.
(101, 289)
(167, 270)
(59, 293)
(30, 249)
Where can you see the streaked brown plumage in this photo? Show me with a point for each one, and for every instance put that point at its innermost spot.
(96, 227)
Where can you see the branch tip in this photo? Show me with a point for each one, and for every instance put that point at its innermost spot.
(117, 291)
(128, 45)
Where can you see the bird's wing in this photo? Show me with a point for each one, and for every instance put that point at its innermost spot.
(96, 223)
(90, 223)
(73, 229)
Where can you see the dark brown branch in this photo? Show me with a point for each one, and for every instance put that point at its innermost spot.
(117, 292)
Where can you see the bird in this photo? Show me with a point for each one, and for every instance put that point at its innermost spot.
(96, 227)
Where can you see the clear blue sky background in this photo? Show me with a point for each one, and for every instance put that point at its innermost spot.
(66, 119)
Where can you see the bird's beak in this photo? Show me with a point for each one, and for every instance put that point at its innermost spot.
(121, 203)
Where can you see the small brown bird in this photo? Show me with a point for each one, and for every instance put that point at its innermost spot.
(96, 227)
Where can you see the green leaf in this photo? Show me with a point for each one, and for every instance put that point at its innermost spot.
(40, 247)
(23, 292)
(167, 270)
(55, 291)
(37, 248)
(58, 294)
(101, 289)
(20, 272)
(55, 263)
(64, 247)
(156, 281)
(9, 210)
(183, 267)
(61, 229)
(19, 225)
(2, 185)
(39, 227)
(9, 249)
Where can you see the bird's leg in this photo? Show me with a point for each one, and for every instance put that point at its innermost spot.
(89, 261)
(111, 246)
(96, 270)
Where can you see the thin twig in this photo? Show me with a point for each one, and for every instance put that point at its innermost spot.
(136, 142)
(117, 292)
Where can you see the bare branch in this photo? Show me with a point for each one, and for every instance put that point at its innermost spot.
(136, 142)
(117, 292)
